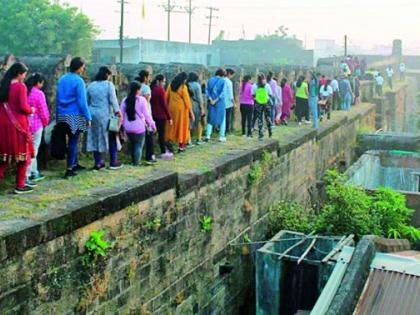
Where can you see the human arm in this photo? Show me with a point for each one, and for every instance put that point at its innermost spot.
(23, 100)
(141, 106)
(163, 102)
(187, 101)
(42, 109)
(112, 99)
(82, 99)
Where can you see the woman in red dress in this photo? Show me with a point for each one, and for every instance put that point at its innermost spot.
(15, 136)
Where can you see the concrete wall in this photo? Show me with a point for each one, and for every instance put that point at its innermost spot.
(172, 267)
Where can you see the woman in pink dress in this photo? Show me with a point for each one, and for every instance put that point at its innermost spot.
(288, 100)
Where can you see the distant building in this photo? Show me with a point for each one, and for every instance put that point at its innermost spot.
(154, 51)
(325, 48)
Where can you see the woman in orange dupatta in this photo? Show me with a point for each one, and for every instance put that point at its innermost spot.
(181, 111)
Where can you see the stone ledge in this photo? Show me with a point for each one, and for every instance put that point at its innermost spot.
(19, 235)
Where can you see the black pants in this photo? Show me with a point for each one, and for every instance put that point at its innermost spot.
(163, 144)
(229, 120)
(263, 110)
(150, 142)
(302, 108)
(246, 115)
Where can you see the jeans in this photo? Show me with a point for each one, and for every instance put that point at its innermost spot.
(222, 132)
(302, 109)
(346, 102)
(32, 169)
(135, 145)
(161, 127)
(273, 113)
(229, 119)
(72, 150)
(112, 140)
(266, 111)
(313, 105)
(246, 115)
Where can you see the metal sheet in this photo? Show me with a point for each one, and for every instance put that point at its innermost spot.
(389, 293)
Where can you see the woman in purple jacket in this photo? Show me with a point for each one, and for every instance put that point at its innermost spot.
(247, 106)
(136, 118)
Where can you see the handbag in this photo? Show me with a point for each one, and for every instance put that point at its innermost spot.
(114, 121)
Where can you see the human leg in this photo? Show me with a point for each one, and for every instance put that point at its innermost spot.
(73, 150)
(313, 104)
(32, 169)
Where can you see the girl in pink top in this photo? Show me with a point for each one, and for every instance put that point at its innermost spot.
(136, 118)
(247, 105)
(37, 122)
(288, 100)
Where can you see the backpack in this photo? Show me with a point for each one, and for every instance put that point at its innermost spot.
(261, 96)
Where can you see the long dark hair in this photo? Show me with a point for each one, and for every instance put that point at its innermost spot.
(270, 76)
(245, 80)
(33, 80)
(192, 77)
(260, 81)
(178, 81)
(283, 82)
(103, 74)
(326, 85)
(15, 70)
(130, 101)
(158, 78)
(300, 81)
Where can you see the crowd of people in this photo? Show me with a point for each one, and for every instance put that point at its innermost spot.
(179, 114)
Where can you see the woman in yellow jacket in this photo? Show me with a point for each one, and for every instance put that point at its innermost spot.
(181, 111)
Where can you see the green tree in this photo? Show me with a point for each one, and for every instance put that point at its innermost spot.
(39, 27)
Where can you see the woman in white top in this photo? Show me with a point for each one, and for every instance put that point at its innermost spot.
(325, 95)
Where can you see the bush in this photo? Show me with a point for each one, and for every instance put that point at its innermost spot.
(290, 216)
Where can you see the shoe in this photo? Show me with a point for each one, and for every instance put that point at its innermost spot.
(206, 139)
(151, 162)
(300, 123)
(244, 136)
(78, 167)
(249, 136)
(167, 156)
(116, 166)
(200, 142)
(30, 183)
(222, 139)
(37, 178)
(24, 190)
(70, 173)
(261, 138)
(307, 122)
(98, 167)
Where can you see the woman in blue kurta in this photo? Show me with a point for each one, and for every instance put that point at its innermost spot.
(217, 95)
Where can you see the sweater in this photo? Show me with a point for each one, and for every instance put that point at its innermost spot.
(160, 109)
(142, 116)
(41, 117)
(71, 97)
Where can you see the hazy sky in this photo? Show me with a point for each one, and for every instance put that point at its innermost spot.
(367, 22)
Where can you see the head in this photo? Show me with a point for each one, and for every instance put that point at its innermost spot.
(192, 77)
(144, 77)
(220, 73)
(130, 101)
(261, 80)
(17, 72)
(159, 80)
(300, 80)
(270, 76)
(283, 82)
(246, 79)
(103, 74)
(77, 65)
(178, 81)
(230, 73)
(327, 84)
(35, 80)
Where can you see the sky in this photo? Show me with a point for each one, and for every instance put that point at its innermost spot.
(366, 22)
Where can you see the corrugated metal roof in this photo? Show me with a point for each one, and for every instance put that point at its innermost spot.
(390, 293)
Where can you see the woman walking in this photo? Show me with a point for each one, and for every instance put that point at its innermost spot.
(194, 88)
(161, 114)
(105, 111)
(313, 89)
(73, 113)
(181, 110)
(15, 136)
(302, 107)
(262, 93)
(247, 106)
(38, 121)
(136, 119)
(288, 99)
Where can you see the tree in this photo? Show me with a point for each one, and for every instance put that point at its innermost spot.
(39, 27)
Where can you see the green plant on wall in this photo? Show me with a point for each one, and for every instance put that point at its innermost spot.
(247, 239)
(95, 247)
(154, 224)
(255, 174)
(206, 223)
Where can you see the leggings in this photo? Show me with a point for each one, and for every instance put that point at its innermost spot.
(302, 108)
(72, 150)
(161, 127)
(20, 173)
(246, 113)
(150, 143)
(112, 139)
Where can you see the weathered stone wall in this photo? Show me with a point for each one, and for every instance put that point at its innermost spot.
(161, 261)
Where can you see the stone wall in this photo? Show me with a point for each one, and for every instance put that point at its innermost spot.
(161, 261)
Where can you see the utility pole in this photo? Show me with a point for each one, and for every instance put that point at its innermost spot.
(345, 45)
(211, 17)
(190, 11)
(122, 2)
(169, 8)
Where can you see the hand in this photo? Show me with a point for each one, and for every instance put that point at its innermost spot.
(118, 114)
(33, 110)
(192, 116)
(171, 122)
(89, 124)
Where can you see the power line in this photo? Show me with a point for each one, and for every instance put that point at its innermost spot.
(211, 17)
(190, 10)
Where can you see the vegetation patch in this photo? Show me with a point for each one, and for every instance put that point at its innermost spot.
(206, 223)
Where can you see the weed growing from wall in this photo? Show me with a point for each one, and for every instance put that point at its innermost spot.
(206, 223)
